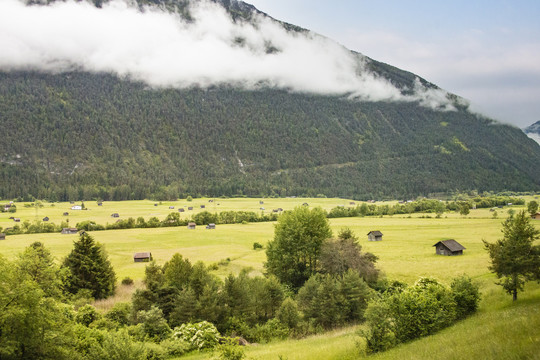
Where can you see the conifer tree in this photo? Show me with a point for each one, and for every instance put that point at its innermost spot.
(89, 268)
(514, 258)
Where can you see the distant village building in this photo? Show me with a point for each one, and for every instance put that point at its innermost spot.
(100, 203)
(45, 218)
(449, 247)
(76, 207)
(536, 216)
(70, 231)
(66, 214)
(115, 215)
(17, 219)
(375, 235)
(261, 202)
(352, 203)
(181, 210)
(203, 206)
(171, 207)
(142, 257)
(2, 236)
(190, 208)
(7, 207)
(191, 225)
(305, 204)
(211, 226)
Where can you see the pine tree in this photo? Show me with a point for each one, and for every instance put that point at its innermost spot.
(89, 268)
(514, 258)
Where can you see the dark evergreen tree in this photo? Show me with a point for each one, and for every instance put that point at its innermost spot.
(89, 268)
(514, 258)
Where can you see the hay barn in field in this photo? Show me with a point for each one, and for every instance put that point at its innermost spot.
(449, 247)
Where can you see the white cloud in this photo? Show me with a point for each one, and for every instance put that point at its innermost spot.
(164, 51)
(499, 75)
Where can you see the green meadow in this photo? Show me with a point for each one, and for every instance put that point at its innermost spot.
(500, 330)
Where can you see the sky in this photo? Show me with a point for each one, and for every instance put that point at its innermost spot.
(487, 51)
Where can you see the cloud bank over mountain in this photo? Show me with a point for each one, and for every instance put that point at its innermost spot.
(164, 50)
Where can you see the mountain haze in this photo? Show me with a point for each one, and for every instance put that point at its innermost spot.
(226, 100)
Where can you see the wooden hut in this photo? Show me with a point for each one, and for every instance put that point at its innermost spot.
(70, 231)
(66, 214)
(449, 247)
(191, 225)
(17, 219)
(190, 208)
(46, 218)
(203, 206)
(181, 210)
(211, 226)
(142, 257)
(171, 207)
(2, 236)
(536, 216)
(375, 235)
(115, 215)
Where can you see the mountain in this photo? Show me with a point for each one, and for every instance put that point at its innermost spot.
(76, 133)
(533, 131)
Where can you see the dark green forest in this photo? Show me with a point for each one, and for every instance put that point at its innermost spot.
(81, 136)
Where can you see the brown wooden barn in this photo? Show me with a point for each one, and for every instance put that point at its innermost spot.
(536, 216)
(375, 235)
(211, 226)
(449, 248)
(191, 225)
(142, 257)
(2, 236)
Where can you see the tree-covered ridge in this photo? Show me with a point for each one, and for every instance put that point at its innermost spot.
(82, 135)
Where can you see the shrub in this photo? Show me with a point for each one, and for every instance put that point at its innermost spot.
(273, 329)
(86, 315)
(154, 325)
(466, 296)
(401, 316)
(257, 245)
(288, 313)
(175, 347)
(230, 350)
(119, 313)
(117, 346)
(202, 335)
(127, 281)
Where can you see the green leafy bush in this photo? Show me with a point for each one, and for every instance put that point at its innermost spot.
(202, 335)
(466, 295)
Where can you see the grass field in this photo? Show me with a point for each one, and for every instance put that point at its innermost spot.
(500, 330)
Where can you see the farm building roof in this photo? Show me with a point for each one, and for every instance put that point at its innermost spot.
(142, 255)
(376, 233)
(451, 244)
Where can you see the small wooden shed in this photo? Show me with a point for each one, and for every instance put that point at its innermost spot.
(375, 235)
(2, 236)
(66, 214)
(17, 219)
(115, 215)
(70, 231)
(181, 210)
(142, 257)
(211, 226)
(536, 216)
(449, 248)
(46, 218)
(190, 208)
(191, 225)
(203, 206)
(171, 207)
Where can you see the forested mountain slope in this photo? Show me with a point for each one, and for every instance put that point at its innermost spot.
(80, 135)
(86, 135)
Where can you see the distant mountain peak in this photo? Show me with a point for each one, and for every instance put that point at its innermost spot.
(533, 131)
